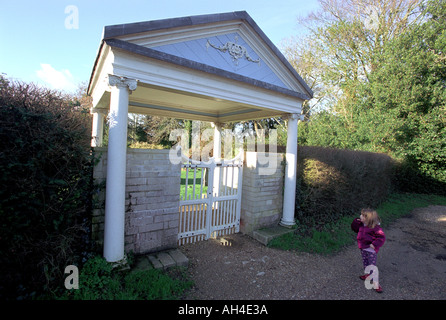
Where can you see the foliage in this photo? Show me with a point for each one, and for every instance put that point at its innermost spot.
(98, 280)
(398, 105)
(145, 145)
(335, 183)
(340, 49)
(335, 236)
(44, 204)
(410, 90)
(152, 132)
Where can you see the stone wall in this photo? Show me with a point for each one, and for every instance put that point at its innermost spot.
(262, 191)
(152, 197)
(152, 200)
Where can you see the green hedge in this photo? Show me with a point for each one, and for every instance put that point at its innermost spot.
(334, 182)
(44, 199)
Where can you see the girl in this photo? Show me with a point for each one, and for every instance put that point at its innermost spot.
(370, 239)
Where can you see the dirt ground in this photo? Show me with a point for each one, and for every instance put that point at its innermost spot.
(411, 264)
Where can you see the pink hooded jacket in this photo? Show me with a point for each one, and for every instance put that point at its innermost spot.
(367, 236)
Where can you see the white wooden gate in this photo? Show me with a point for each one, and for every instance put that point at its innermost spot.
(210, 199)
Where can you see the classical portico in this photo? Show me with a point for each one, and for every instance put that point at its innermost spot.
(217, 68)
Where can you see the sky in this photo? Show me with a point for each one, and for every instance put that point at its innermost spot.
(54, 42)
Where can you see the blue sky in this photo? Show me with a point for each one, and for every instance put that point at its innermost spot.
(40, 42)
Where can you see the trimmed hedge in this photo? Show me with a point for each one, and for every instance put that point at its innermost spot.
(45, 198)
(334, 182)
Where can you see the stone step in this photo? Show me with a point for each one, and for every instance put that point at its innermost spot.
(267, 234)
(162, 260)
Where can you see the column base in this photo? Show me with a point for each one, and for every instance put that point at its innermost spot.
(121, 265)
(287, 224)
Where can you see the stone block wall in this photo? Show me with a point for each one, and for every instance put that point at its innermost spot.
(152, 197)
(152, 200)
(262, 191)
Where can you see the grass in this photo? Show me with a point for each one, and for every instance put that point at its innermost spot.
(336, 236)
(400, 205)
(190, 183)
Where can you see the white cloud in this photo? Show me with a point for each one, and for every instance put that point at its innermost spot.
(60, 80)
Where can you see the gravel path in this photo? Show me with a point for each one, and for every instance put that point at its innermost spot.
(412, 265)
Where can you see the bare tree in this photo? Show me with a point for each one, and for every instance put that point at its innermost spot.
(344, 44)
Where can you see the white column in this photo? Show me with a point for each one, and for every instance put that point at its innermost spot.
(217, 140)
(217, 156)
(289, 195)
(98, 127)
(116, 168)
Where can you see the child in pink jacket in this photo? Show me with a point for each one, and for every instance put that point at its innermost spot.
(370, 239)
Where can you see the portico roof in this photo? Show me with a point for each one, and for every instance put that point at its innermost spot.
(217, 67)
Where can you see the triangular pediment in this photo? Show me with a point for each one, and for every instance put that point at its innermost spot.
(229, 52)
(230, 44)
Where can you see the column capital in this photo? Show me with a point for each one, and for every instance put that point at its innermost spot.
(122, 82)
(290, 116)
(99, 111)
(216, 124)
